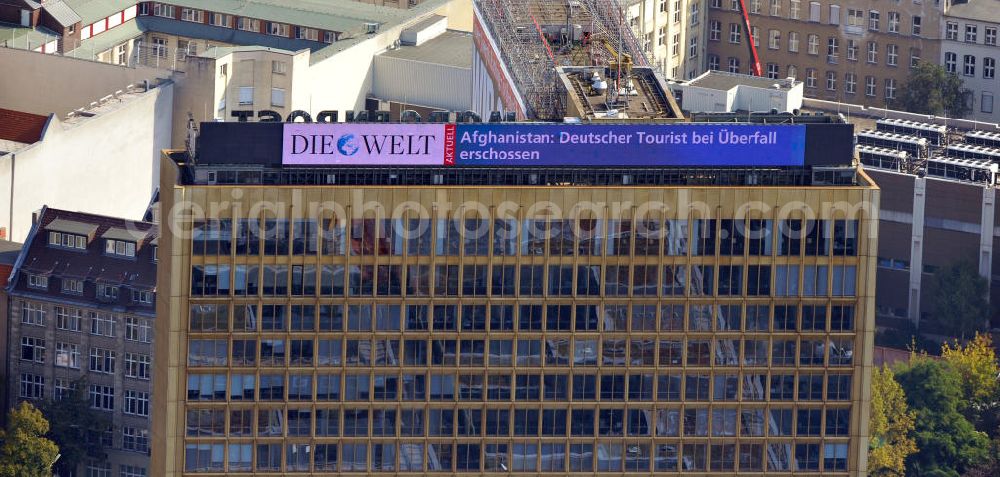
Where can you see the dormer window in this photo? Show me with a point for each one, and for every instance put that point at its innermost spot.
(119, 247)
(142, 296)
(108, 291)
(72, 286)
(38, 281)
(62, 239)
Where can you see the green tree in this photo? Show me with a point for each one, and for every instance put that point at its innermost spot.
(76, 428)
(948, 442)
(24, 451)
(958, 299)
(930, 89)
(892, 424)
(990, 468)
(976, 362)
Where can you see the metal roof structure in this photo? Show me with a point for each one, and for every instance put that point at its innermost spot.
(61, 12)
(90, 11)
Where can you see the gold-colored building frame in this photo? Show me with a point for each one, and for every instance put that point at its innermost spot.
(845, 203)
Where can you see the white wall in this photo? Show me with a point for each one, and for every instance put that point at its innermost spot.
(343, 80)
(101, 165)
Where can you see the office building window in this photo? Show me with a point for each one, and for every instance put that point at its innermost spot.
(971, 33)
(772, 71)
(102, 360)
(892, 55)
(810, 77)
(102, 324)
(32, 314)
(136, 403)
(734, 33)
(32, 386)
(278, 97)
(870, 86)
(951, 31)
(774, 39)
(990, 36)
(951, 62)
(831, 80)
(134, 439)
(850, 83)
(713, 64)
(989, 67)
(873, 20)
(793, 41)
(277, 29)
(102, 397)
(986, 104)
(734, 65)
(969, 65)
(855, 18)
(138, 329)
(246, 95)
(67, 355)
(890, 88)
(917, 25)
(714, 30)
(32, 349)
(812, 44)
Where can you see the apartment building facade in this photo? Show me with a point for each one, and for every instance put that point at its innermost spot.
(672, 34)
(80, 304)
(969, 49)
(508, 339)
(855, 52)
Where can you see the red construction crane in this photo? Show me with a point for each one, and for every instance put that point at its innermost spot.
(754, 59)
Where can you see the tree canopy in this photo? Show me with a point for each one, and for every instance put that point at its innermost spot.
(959, 302)
(976, 363)
(76, 428)
(948, 442)
(24, 451)
(930, 89)
(892, 424)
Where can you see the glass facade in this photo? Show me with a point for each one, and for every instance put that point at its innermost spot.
(500, 345)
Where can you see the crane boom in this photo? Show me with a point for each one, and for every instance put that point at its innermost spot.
(754, 58)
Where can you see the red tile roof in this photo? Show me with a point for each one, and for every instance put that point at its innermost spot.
(20, 126)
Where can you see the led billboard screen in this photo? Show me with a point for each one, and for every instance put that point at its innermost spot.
(363, 144)
(693, 145)
(527, 144)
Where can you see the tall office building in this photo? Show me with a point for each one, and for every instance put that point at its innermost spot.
(506, 305)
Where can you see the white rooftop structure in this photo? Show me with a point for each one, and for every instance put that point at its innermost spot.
(722, 92)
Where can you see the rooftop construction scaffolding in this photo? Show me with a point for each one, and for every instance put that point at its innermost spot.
(537, 36)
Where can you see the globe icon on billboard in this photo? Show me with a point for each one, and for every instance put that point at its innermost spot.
(347, 145)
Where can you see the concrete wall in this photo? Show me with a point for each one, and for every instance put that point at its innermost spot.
(43, 84)
(657, 28)
(343, 80)
(101, 165)
(202, 87)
